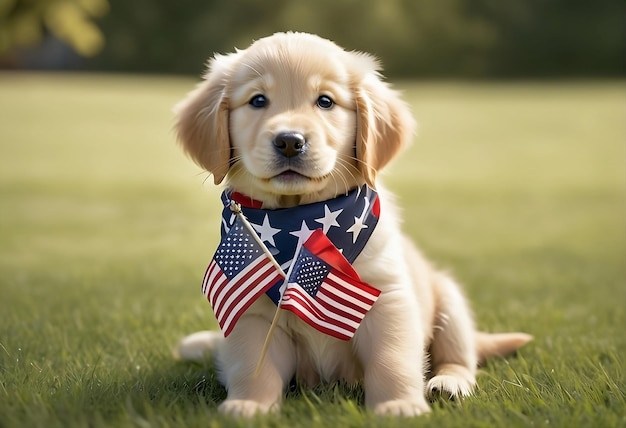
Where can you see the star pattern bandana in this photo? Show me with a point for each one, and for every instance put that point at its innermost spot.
(347, 221)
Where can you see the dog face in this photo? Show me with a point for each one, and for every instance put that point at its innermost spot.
(293, 116)
(292, 123)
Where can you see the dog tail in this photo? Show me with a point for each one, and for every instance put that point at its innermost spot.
(199, 346)
(499, 344)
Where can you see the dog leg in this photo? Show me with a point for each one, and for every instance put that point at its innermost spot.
(249, 394)
(453, 348)
(199, 346)
(392, 354)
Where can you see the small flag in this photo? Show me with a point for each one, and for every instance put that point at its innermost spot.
(347, 220)
(325, 291)
(239, 273)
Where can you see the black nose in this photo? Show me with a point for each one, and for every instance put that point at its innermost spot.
(290, 144)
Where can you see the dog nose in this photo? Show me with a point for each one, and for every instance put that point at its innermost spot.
(290, 144)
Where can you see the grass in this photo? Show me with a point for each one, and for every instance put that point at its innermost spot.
(105, 229)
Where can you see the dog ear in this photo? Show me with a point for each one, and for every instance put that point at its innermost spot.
(202, 120)
(384, 124)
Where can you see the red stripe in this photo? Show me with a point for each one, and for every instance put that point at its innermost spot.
(323, 329)
(249, 302)
(215, 286)
(312, 322)
(250, 298)
(337, 308)
(243, 294)
(339, 305)
(322, 247)
(237, 282)
(230, 328)
(205, 277)
(221, 288)
(296, 293)
(305, 299)
(370, 293)
(219, 285)
(368, 299)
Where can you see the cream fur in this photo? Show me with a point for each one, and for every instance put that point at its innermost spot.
(420, 317)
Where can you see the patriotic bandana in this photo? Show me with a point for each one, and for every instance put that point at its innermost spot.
(342, 225)
(348, 221)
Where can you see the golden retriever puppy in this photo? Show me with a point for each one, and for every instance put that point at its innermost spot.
(293, 120)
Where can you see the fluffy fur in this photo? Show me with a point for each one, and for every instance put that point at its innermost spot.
(419, 338)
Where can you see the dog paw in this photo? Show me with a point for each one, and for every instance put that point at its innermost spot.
(403, 408)
(450, 386)
(198, 346)
(245, 408)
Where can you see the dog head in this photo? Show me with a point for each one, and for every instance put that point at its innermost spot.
(293, 119)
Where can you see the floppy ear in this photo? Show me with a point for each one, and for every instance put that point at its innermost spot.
(202, 120)
(384, 124)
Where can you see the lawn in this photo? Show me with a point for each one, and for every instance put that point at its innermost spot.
(519, 189)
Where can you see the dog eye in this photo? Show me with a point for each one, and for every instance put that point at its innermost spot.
(258, 101)
(325, 102)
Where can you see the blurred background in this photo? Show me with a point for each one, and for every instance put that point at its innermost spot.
(413, 38)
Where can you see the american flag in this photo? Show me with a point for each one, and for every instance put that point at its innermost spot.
(239, 273)
(325, 291)
(348, 221)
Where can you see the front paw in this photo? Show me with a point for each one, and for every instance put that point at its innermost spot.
(450, 385)
(402, 408)
(245, 408)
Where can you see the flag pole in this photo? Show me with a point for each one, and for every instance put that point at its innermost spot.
(266, 344)
(270, 332)
(236, 208)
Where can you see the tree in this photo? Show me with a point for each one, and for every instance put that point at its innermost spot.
(25, 23)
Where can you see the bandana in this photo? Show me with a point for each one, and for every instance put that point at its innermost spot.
(347, 221)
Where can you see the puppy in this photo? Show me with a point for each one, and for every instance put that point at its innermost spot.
(293, 120)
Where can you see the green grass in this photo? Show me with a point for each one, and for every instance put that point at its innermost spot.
(105, 229)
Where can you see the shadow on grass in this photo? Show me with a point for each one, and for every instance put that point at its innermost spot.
(177, 391)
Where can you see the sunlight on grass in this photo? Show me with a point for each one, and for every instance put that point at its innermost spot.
(106, 228)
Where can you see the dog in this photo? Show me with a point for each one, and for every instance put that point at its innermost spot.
(294, 120)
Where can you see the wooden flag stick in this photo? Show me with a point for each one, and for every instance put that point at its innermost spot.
(236, 208)
(277, 314)
(266, 344)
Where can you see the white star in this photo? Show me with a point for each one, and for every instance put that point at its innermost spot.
(302, 234)
(266, 231)
(330, 219)
(356, 228)
(228, 225)
(226, 228)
